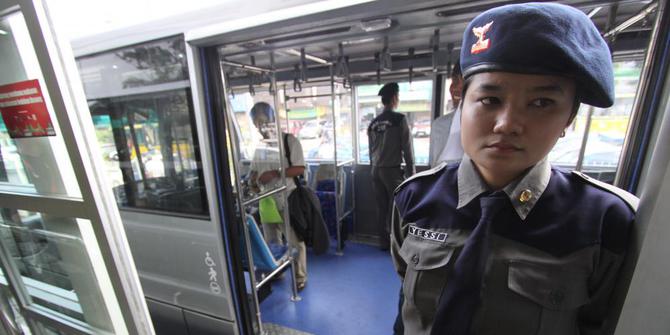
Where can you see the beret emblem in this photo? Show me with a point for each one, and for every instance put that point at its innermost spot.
(482, 43)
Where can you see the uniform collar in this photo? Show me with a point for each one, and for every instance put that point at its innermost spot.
(523, 192)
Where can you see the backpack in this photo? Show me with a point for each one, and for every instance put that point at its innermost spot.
(305, 213)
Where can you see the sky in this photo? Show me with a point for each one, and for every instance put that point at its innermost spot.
(80, 18)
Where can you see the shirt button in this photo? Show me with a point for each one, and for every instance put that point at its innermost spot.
(415, 259)
(525, 196)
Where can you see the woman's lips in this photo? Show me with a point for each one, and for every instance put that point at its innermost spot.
(504, 147)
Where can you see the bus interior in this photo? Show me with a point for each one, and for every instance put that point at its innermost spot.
(171, 115)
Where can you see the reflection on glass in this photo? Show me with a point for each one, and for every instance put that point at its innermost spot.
(607, 130)
(415, 103)
(30, 165)
(52, 261)
(257, 142)
(149, 152)
(118, 72)
(146, 130)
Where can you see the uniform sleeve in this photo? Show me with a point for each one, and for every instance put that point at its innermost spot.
(407, 152)
(296, 154)
(370, 145)
(593, 316)
(432, 145)
(398, 233)
(597, 316)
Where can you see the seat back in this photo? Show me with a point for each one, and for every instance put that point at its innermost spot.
(265, 256)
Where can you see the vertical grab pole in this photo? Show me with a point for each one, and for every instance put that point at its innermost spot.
(240, 199)
(335, 163)
(585, 139)
(282, 173)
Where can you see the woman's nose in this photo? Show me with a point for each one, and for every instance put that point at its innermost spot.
(508, 122)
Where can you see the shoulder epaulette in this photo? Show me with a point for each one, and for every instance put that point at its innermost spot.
(631, 200)
(428, 172)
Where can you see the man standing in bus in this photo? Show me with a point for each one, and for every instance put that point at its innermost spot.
(265, 174)
(389, 142)
(445, 134)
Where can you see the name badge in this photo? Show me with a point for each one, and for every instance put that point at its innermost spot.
(427, 234)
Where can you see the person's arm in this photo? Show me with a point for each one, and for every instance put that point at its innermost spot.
(593, 317)
(432, 144)
(398, 233)
(291, 171)
(297, 160)
(370, 144)
(596, 317)
(407, 150)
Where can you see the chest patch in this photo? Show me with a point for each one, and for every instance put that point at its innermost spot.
(427, 234)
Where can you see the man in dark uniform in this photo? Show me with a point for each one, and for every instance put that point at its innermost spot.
(389, 142)
(502, 242)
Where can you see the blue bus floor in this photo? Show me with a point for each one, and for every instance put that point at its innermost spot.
(356, 293)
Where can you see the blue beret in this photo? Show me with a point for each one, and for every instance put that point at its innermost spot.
(541, 38)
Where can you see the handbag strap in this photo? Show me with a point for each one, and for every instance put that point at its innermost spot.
(287, 152)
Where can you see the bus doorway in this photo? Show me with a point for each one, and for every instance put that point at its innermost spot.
(301, 68)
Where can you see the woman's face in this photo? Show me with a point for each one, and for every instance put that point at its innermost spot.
(511, 121)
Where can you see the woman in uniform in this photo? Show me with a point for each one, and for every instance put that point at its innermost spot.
(503, 243)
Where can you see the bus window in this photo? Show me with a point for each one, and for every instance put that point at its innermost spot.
(415, 103)
(140, 102)
(311, 121)
(607, 130)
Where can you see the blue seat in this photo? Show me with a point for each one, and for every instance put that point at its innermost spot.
(266, 257)
(325, 191)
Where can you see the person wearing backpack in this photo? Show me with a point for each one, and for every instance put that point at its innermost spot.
(265, 174)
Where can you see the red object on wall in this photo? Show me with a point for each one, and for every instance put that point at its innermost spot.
(23, 110)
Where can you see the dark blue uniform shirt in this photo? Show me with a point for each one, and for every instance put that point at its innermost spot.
(555, 249)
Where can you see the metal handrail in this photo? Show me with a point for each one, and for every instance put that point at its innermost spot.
(272, 274)
(346, 162)
(264, 195)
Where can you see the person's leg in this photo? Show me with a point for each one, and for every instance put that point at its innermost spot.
(300, 260)
(391, 178)
(272, 233)
(382, 199)
(398, 326)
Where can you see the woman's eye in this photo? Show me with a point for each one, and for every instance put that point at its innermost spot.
(489, 101)
(542, 102)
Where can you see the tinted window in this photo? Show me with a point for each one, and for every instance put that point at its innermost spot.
(141, 107)
(118, 72)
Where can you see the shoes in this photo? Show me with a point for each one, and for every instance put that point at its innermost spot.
(301, 286)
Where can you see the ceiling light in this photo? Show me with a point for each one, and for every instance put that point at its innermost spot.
(2, 32)
(307, 56)
(376, 25)
(360, 41)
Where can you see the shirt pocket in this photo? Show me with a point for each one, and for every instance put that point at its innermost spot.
(557, 293)
(426, 275)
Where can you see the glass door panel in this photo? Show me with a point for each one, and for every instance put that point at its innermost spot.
(28, 163)
(63, 251)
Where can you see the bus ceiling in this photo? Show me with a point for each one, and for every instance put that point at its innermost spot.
(418, 43)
